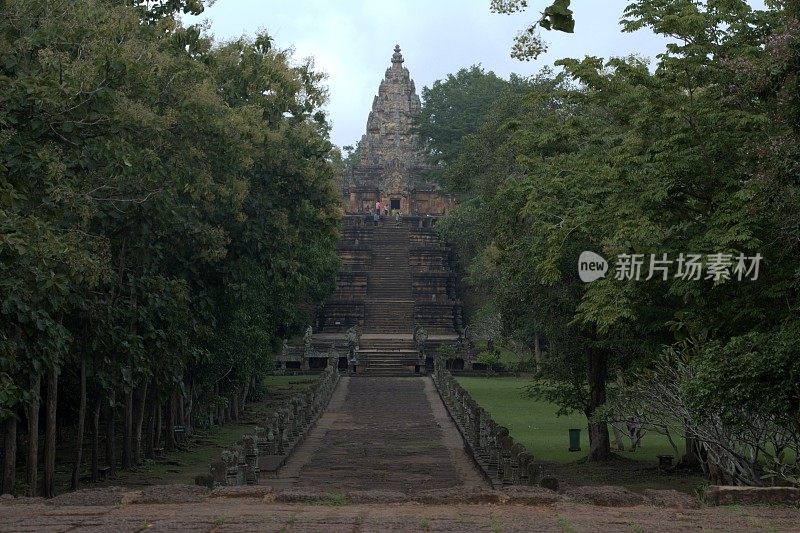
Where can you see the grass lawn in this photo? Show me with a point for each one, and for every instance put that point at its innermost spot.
(536, 426)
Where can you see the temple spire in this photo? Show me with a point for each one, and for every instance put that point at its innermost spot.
(391, 163)
(397, 57)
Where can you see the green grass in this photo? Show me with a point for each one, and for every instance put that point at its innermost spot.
(564, 524)
(535, 424)
(335, 499)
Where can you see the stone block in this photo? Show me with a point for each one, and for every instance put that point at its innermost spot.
(671, 499)
(730, 495)
(245, 491)
(606, 496)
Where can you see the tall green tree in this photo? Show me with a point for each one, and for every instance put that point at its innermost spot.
(695, 156)
(167, 209)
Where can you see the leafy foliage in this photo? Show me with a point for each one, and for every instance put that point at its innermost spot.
(528, 44)
(698, 154)
(168, 209)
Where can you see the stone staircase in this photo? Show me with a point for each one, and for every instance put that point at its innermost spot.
(393, 278)
(389, 316)
(390, 304)
(390, 273)
(387, 355)
(387, 346)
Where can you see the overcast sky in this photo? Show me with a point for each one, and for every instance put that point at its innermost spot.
(352, 41)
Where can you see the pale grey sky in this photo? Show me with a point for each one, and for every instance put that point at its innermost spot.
(352, 41)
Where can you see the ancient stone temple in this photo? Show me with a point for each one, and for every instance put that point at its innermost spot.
(390, 160)
(395, 301)
(397, 289)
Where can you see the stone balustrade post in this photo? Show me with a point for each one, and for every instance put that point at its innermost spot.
(281, 427)
(524, 460)
(477, 414)
(492, 449)
(506, 443)
(516, 450)
(271, 441)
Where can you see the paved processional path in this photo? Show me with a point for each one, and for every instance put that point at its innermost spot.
(381, 433)
(377, 434)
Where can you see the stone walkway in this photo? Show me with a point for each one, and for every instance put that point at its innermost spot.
(384, 456)
(255, 514)
(381, 434)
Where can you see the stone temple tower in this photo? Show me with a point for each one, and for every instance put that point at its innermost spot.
(390, 159)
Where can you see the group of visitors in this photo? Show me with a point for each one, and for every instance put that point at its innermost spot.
(381, 208)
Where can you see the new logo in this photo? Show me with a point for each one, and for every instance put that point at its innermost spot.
(591, 267)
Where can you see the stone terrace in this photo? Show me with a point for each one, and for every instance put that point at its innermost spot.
(394, 278)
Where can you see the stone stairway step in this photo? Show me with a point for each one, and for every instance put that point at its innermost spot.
(391, 259)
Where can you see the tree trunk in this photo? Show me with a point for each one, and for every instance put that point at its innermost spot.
(159, 417)
(599, 441)
(10, 462)
(111, 444)
(152, 408)
(189, 408)
(246, 391)
(169, 430)
(127, 430)
(50, 433)
(216, 409)
(537, 351)
(32, 464)
(76, 471)
(692, 457)
(618, 436)
(98, 405)
(138, 422)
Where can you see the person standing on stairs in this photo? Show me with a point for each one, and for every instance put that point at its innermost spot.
(377, 215)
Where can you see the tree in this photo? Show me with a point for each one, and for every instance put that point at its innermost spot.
(167, 208)
(528, 44)
(633, 161)
(455, 107)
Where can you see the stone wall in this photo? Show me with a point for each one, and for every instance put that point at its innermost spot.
(433, 286)
(269, 446)
(502, 460)
(351, 285)
(341, 315)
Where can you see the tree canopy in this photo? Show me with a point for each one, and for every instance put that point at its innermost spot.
(694, 155)
(168, 208)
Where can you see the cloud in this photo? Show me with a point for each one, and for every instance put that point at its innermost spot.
(352, 41)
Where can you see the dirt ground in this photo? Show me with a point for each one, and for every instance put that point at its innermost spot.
(137, 512)
(634, 475)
